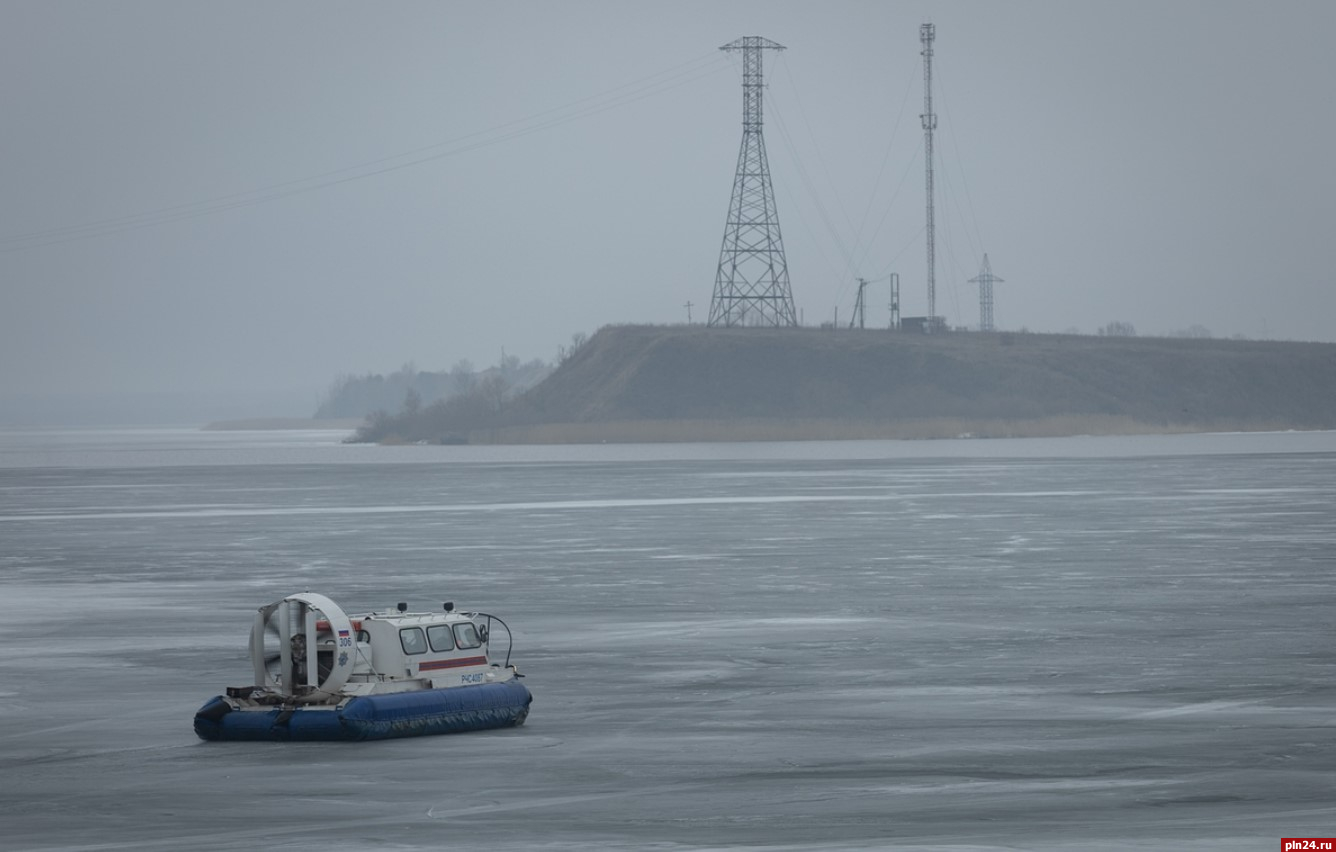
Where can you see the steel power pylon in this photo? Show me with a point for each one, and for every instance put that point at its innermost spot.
(928, 34)
(752, 283)
(985, 279)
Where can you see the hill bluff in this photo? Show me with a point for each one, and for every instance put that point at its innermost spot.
(675, 383)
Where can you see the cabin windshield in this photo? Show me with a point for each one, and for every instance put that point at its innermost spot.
(413, 640)
(466, 635)
(440, 637)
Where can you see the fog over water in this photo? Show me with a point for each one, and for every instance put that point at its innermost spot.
(1100, 643)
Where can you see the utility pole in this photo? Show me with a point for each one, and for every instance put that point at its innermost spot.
(928, 34)
(985, 279)
(860, 307)
(895, 301)
(753, 277)
(688, 307)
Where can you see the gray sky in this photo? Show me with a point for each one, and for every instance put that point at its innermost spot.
(1164, 164)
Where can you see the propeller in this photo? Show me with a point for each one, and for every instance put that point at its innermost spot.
(273, 656)
(284, 642)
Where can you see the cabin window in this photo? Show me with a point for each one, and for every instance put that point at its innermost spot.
(440, 637)
(364, 637)
(466, 635)
(413, 640)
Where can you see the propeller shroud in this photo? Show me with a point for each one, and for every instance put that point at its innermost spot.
(293, 626)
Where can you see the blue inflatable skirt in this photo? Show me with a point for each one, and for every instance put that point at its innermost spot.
(373, 717)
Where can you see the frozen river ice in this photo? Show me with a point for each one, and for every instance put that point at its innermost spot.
(1100, 643)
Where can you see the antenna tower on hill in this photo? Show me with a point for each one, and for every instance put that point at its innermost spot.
(928, 34)
(751, 286)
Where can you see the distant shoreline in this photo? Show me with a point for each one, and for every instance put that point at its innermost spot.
(278, 424)
(747, 431)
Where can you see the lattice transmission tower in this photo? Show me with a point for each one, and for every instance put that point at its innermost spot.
(751, 286)
(985, 279)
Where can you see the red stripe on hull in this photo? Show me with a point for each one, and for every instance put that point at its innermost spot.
(432, 665)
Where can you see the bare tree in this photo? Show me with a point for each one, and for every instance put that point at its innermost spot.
(578, 340)
(1118, 328)
(463, 376)
(1194, 331)
(412, 402)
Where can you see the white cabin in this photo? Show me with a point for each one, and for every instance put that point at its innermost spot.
(376, 653)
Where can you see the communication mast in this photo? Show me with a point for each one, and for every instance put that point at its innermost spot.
(927, 34)
(751, 285)
(985, 279)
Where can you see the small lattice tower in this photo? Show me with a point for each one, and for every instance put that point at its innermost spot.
(985, 279)
(751, 286)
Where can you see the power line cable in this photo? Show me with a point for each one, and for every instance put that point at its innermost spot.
(453, 141)
(816, 148)
(904, 176)
(890, 145)
(805, 177)
(630, 92)
(912, 241)
(955, 143)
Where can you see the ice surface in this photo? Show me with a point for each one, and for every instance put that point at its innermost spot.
(824, 646)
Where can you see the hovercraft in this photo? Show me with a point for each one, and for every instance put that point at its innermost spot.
(323, 675)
